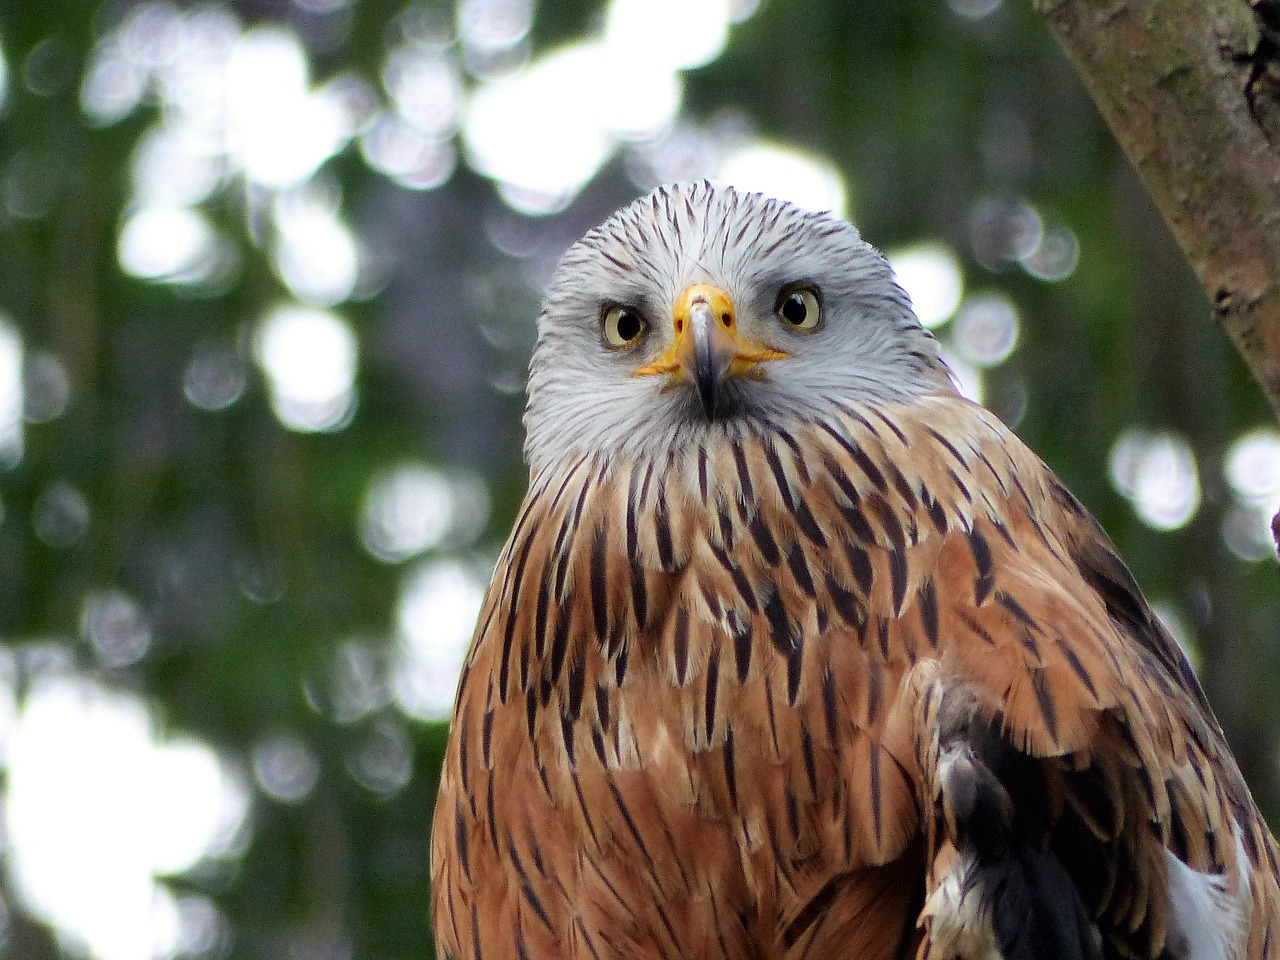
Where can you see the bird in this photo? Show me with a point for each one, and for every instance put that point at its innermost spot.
(794, 651)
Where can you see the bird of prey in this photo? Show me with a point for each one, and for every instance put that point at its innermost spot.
(795, 652)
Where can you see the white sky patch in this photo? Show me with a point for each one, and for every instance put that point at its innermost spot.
(98, 808)
(786, 173)
(439, 603)
(309, 357)
(10, 394)
(1157, 473)
(672, 34)
(930, 274)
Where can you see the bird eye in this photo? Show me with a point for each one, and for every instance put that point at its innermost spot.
(622, 327)
(798, 307)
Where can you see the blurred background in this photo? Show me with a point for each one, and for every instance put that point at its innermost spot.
(268, 276)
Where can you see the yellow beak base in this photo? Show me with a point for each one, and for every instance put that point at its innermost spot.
(707, 348)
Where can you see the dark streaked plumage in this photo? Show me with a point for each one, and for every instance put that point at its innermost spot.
(831, 666)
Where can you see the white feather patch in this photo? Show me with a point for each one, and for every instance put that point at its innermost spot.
(1207, 919)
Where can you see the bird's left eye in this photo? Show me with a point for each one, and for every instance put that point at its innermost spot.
(798, 307)
(622, 327)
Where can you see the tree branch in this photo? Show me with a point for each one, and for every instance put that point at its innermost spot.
(1191, 89)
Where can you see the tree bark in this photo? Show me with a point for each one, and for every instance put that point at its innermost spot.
(1191, 89)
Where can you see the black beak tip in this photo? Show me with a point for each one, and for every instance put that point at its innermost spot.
(708, 390)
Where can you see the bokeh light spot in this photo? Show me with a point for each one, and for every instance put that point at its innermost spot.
(11, 389)
(282, 130)
(931, 276)
(785, 173)
(61, 514)
(439, 603)
(1055, 256)
(406, 155)
(171, 167)
(360, 683)
(492, 26)
(314, 252)
(1252, 469)
(1157, 473)
(406, 512)
(1253, 466)
(415, 507)
(50, 67)
(1246, 530)
(46, 388)
(309, 357)
(174, 244)
(113, 85)
(118, 629)
(974, 9)
(285, 768)
(215, 378)
(30, 186)
(966, 376)
(518, 131)
(383, 762)
(1004, 231)
(98, 809)
(426, 88)
(673, 34)
(4, 78)
(985, 330)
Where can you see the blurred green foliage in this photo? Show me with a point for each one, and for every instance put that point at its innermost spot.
(240, 538)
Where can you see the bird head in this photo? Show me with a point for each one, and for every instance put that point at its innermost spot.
(700, 309)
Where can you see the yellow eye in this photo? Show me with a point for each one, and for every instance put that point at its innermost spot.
(798, 307)
(622, 327)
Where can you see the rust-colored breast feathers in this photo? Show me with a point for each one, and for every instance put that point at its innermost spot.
(738, 703)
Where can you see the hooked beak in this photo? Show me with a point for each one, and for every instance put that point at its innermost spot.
(708, 348)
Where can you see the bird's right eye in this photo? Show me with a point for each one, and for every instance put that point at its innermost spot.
(622, 327)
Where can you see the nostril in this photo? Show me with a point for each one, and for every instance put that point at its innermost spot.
(726, 319)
